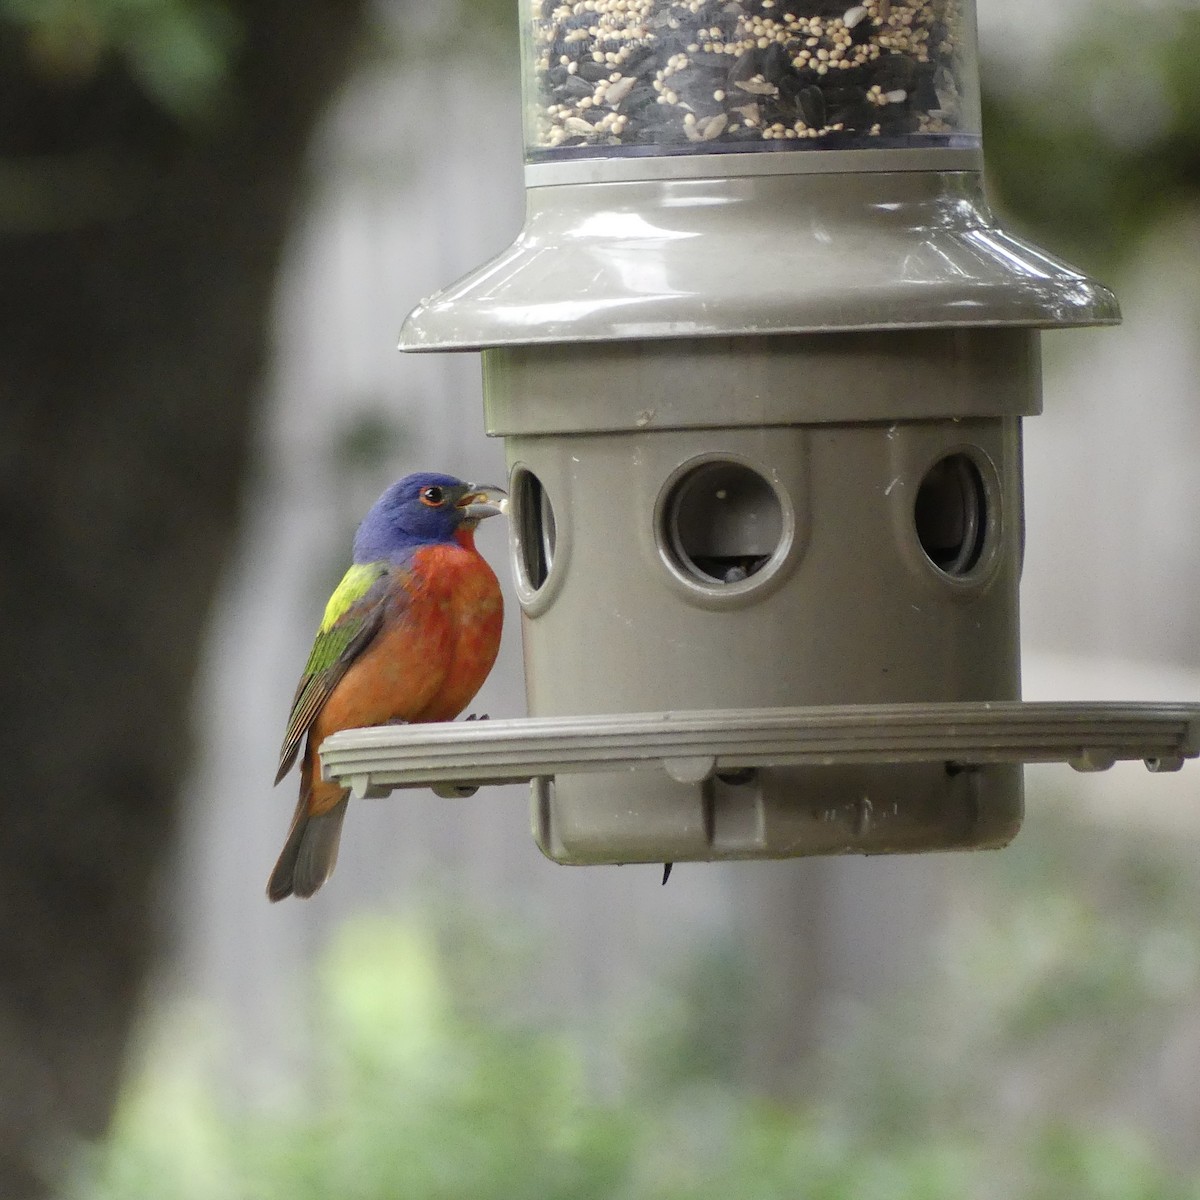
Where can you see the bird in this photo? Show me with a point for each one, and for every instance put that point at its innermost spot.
(409, 635)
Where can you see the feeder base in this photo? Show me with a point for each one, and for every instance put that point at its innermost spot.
(767, 783)
(777, 812)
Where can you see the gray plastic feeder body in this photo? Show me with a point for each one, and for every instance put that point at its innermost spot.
(769, 522)
(762, 413)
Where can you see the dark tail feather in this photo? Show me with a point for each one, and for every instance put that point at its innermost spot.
(310, 852)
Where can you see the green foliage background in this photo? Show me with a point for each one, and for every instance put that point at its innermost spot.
(1102, 141)
(1070, 956)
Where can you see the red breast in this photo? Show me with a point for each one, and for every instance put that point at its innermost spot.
(472, 610)
(428, 660)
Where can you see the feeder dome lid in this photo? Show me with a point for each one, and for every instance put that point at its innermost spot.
(886, 242)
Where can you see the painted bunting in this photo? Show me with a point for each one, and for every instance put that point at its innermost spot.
(409, 634)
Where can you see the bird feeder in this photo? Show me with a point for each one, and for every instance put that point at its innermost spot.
(760, 358)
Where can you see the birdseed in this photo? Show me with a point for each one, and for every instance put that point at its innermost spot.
(618, 77)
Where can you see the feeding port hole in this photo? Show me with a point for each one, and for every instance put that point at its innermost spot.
(721, 523)
(533, 521)
(950, 514)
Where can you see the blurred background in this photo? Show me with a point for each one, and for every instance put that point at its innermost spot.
(214, 215)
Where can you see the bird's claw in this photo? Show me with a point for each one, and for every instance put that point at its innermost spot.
(477, 717)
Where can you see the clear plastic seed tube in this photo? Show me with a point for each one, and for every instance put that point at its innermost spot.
(610, 78)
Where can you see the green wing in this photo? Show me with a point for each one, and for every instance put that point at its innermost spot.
(352, 618)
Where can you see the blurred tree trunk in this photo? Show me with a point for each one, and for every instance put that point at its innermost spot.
(137, 256)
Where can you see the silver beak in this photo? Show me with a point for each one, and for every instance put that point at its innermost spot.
(478, 502)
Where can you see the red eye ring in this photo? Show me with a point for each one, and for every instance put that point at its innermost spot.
(435, 497)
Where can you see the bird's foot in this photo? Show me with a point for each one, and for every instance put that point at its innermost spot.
(477, 717)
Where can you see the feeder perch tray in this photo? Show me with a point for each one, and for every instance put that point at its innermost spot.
(692, 747)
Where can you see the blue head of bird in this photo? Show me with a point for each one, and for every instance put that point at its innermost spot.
(422, 510)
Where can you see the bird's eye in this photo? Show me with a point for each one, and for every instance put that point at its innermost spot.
(435, 497)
